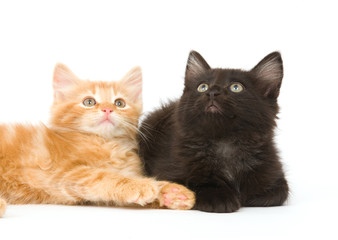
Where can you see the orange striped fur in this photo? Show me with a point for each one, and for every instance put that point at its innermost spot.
(79, 157)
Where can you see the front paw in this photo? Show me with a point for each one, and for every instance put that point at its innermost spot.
(216, 200)
(175, 196)
(140, 191)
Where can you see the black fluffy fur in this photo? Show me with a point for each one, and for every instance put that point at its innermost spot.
(220, 143)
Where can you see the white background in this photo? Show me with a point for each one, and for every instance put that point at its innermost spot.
(102, 40)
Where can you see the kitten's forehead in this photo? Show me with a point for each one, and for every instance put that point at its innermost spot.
(223, 76)
(104, 93)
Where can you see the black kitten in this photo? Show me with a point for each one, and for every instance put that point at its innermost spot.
(218, 138)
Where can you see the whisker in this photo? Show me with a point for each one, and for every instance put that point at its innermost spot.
(129, 125)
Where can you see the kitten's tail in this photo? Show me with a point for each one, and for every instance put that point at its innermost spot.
(2, 207)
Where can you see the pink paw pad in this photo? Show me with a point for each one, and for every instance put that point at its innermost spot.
(182, 197)
(167, 201)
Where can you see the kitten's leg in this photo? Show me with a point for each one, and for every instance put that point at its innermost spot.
(273, 195)
(96, 185)
(2, 207)
(220, 199)
(85, 183)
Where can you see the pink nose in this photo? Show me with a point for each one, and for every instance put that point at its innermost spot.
(107, 110)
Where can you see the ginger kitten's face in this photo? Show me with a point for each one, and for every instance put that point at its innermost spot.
(108, 109)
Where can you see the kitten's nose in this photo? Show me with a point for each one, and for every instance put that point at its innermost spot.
(213, 93)
(107, 110)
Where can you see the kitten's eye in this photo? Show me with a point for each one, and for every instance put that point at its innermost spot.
(89, 102)
(203, 87)
(236, 87)
(120, 103)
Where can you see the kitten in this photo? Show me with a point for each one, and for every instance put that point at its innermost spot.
(87, 154)
(217, 139)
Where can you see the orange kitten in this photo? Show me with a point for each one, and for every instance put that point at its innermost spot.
(88, 153)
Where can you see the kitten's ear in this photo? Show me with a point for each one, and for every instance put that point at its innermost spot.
(63, 80)
(269, 72)
(132, 81)
(195, 65)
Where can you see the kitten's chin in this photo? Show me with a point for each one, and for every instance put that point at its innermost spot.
(105, 130)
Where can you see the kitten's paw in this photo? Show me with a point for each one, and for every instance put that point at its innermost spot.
(175, 196)
(216, 200)
(141, 191)
(2, 207)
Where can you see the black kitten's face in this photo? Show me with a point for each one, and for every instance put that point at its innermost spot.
(221, 101)
(220, 92)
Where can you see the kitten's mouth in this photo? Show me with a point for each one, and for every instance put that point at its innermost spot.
(107, 121)
(213, 108)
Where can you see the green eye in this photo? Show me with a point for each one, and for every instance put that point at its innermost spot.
(236, 87)
(89, 102)
(120, 103)
(203, 87)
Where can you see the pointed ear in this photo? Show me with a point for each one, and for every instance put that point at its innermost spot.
(63, 80)
(195, 65)
(133, 83)
(269, 72)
